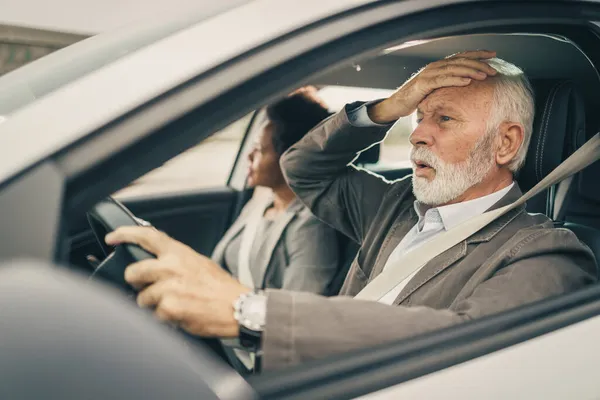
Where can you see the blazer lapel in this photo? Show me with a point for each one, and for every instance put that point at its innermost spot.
(405, 221)
(454, 254)
(267, 247)
(255, 205)
(218, 254)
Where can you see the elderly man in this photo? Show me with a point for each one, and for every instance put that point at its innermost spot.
(475, 117)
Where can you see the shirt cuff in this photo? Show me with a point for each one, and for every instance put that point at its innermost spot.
(359, 116)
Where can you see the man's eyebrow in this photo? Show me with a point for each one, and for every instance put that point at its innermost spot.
(441, 107)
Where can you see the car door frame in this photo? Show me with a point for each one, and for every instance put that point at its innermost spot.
(342, 383)
(187, 204)
(81, 197)
(452, 354)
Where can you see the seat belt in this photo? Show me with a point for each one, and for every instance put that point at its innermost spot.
(410, 262)
(562, 192)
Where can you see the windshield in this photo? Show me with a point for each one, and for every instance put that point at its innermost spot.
(35, 80)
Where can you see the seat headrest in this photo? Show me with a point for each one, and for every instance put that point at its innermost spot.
(558, 129)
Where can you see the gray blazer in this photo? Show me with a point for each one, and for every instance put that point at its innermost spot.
(298, 253)
(517, 259)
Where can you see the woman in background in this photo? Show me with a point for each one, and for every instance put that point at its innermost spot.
(276, 242)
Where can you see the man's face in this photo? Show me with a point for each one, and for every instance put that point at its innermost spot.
(451, 148)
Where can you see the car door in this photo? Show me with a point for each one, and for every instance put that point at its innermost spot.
(370, 370)
(193, 197)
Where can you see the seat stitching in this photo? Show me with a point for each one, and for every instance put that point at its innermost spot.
(546, 126)
(537, 150)
(544, 132)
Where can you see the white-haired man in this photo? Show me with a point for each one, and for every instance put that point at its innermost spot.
(475, 115)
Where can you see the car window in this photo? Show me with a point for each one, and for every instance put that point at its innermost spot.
(207, 165)
(32, 81)
(395, 148)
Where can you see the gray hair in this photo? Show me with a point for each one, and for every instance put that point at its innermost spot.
(513, 101)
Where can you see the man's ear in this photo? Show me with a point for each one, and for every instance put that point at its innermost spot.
(511, 137)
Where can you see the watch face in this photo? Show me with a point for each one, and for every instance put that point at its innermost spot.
(254, 311)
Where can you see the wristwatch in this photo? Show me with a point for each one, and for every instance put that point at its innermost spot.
(250, 311)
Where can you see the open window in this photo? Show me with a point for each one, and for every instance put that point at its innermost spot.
(394, 46)
(208, 165)
(393, 152)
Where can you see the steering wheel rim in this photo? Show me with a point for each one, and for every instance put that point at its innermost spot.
(105, 217)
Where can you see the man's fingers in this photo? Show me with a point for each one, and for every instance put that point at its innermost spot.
(146, 237)
(475, 54)
(447, 81)
(147, 272)
(456, 70)
(474, 65)
(155, 293)
(169, 305)
(187, 315)
(169, 310)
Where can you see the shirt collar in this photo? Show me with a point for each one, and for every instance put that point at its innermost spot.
(454, 214)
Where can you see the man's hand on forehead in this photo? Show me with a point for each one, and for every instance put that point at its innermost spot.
(473, 54)
(456, 70)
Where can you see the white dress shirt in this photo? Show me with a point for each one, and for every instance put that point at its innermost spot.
(432, 221)
(360, 117)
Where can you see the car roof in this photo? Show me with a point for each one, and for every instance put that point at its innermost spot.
(87, 18)
(79, 108)
(540, 56)
(72, 112)
(33, 81)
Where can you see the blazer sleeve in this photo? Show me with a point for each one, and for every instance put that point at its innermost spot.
(318, 170)
(303, 326)
(313, 253)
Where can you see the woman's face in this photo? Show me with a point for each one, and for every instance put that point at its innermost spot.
(264, 167)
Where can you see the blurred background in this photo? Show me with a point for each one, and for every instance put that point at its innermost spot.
(30, 29)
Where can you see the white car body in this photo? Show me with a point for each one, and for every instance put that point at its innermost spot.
(556, 365)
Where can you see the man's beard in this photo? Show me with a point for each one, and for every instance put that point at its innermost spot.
(452, 180)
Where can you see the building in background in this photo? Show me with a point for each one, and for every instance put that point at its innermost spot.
(20, 45)
(30, 29)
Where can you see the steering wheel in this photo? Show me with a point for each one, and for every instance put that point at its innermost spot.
(105, 217)
(109, 215)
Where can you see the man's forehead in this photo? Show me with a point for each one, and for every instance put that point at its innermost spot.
(457, 98)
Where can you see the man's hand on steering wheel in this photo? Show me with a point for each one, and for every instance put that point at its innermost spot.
(184, 287)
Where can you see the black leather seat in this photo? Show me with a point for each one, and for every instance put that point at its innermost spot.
(582, 202)
(559, 129)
